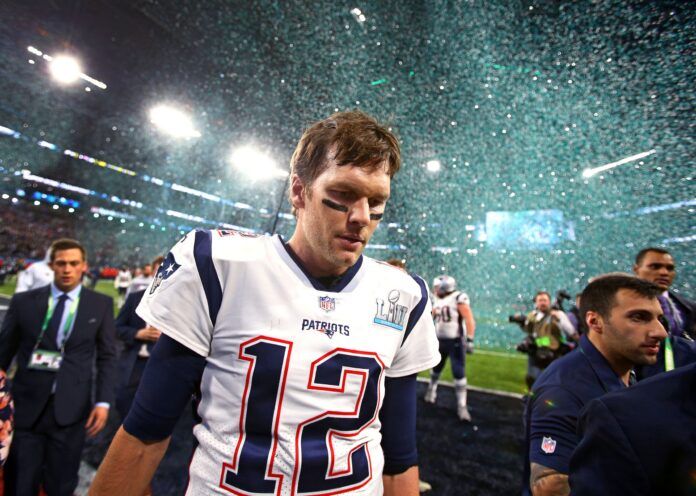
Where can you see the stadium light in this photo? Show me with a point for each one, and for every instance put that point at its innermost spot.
(255, 164)
(65, 69)
(173, 121)
(433, 165)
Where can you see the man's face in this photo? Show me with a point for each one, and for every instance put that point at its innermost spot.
(147, 270)
(68, 267)
(337, 215)
(632, 331)
(542, 303)
(658, 268)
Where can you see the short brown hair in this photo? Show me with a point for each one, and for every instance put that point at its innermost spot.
(357, 139)
(397, 262)
(600, 294)
(66, 244)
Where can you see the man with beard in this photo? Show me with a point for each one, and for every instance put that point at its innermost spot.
(623, 315)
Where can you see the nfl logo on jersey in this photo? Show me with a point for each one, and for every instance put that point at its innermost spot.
(327, 303)
(548, 445)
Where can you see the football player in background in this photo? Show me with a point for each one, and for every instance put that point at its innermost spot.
(305, 351)
(455, 327)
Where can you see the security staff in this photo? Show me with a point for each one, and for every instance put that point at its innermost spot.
(641, 441)
(657, 266)
(54, 332)
(622, 315)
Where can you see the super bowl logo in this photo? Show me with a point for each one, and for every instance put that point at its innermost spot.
(390, 313)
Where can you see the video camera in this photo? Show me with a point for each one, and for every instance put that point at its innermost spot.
(540, 355)
(561, 296)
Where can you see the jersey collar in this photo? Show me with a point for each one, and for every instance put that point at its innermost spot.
(340, 282)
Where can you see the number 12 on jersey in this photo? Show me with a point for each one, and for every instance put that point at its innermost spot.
(251, 470)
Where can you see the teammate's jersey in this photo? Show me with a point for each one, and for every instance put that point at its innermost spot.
(448, 322)
(295, 375)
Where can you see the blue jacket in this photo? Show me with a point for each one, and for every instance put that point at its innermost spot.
(128, 323)
(641, 441)
(554, 405)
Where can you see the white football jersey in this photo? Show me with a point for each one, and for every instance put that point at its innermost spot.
(294, 378)
(448, 323)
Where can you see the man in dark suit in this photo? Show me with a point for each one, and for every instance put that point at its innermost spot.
(657, 266)
(54, 333)
(639, 441)
(138, 339)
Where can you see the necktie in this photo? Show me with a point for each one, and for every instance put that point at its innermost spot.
(54, 323)
(669, 314)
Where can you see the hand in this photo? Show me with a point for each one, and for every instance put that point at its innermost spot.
(97, 420)
(469, 346)
(147, 334)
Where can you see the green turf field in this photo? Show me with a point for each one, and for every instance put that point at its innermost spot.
(486, 369)
(503, 372)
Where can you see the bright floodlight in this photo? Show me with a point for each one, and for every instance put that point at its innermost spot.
(173, 122)
(255, 163)
(433, 165)
(65, 69)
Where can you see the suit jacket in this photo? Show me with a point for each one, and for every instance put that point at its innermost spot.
(128, 323)
(639, 441)
(93, 332)
(688, 309)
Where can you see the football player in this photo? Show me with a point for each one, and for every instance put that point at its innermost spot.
(305, 351)
(455, 327)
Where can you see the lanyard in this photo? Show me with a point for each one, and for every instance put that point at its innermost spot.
(669, 355)
(68, 321)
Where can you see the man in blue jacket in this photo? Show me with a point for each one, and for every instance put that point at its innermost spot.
(624, 329)
(138, 339)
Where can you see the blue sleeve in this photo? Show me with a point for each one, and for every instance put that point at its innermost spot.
(172, 374)
(125, 328)
(398, 418)
(552, 428)
(604, 461)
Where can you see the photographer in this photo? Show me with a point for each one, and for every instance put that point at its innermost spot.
(547, 329)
